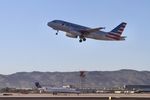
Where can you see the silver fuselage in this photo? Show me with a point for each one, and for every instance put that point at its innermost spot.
(73, 29)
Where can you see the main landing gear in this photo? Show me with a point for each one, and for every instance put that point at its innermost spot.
(82, 39)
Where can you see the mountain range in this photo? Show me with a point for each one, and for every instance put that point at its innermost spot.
(92, 79)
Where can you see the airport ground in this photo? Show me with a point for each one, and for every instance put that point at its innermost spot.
(75, 97)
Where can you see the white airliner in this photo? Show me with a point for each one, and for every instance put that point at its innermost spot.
(75, 31)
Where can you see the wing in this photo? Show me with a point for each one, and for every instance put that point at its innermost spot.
(91, 30)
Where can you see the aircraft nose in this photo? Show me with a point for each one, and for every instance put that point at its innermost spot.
(49, 24)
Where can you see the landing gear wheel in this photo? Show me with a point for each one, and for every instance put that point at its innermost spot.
(80, 40)
(84, 39)
(57, 32)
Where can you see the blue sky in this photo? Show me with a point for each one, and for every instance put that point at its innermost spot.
(28, 44)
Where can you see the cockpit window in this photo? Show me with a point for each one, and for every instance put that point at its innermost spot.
(55, 21)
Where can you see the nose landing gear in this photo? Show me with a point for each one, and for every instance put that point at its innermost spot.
(57, 32)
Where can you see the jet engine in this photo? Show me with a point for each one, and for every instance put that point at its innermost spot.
(71, 35)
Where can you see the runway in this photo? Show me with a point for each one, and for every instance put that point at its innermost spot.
(76, 97)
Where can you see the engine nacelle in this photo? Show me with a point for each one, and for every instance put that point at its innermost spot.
(71, 35)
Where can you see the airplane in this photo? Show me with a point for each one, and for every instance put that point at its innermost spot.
(56, 90)
(75, 31)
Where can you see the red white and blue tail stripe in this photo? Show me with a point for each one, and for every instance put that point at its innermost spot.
(115, 34)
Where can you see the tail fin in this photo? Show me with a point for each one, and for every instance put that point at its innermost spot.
(37, 84)
(119, 29)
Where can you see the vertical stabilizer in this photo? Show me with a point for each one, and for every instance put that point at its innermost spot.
(119, 29)
(37, 84)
